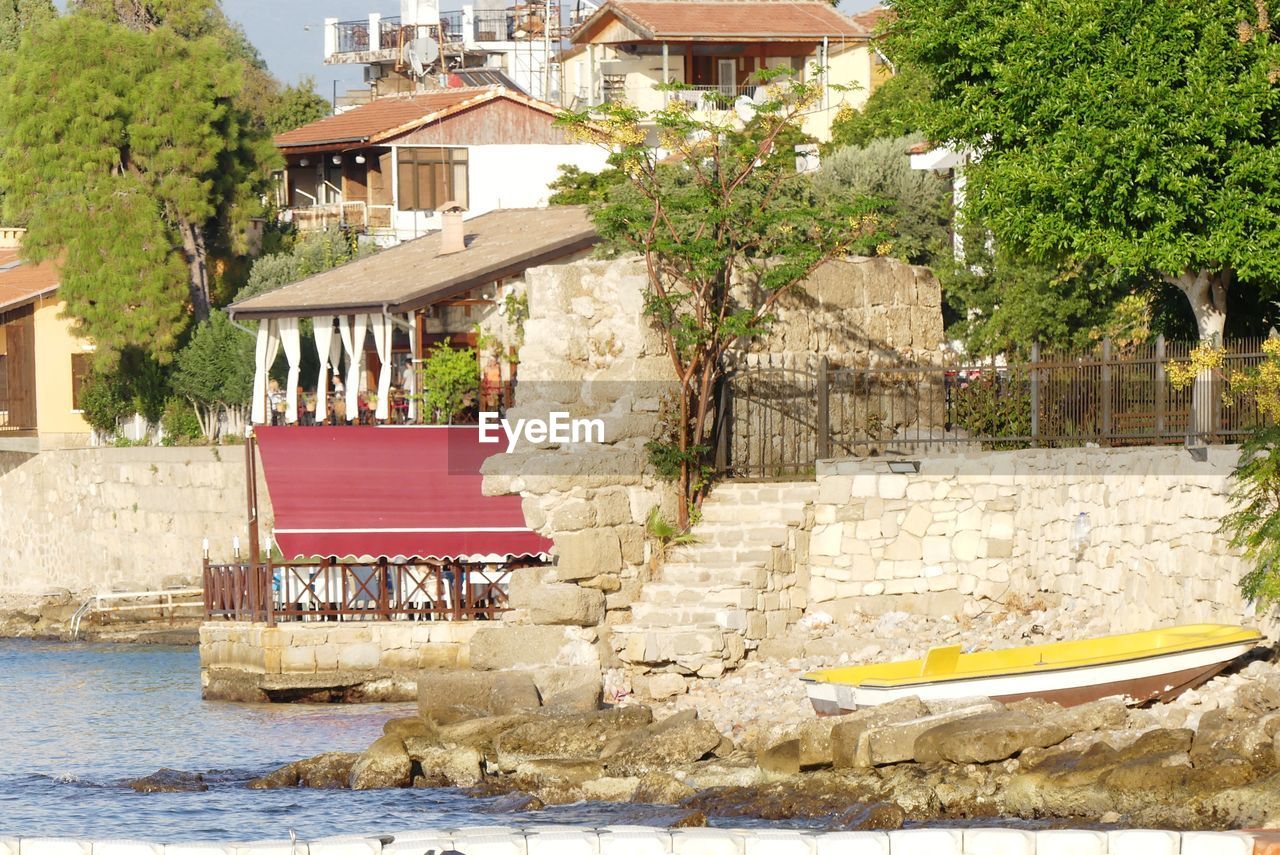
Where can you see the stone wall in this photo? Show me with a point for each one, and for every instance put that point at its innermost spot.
(1002, 525)
(98, 519)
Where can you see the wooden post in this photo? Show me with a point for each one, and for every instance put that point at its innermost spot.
(1035, 395)
(1106, 392)
(1162, 390)
(824, 410)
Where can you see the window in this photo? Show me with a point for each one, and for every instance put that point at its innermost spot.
(429, 177)
(79, 371)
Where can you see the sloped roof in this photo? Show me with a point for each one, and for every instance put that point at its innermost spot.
(872, 19)
(722, 20)
(384, 118)
(483, 77)
(22, 282)
(414, 274)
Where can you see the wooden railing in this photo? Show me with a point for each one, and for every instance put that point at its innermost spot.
(351, 591)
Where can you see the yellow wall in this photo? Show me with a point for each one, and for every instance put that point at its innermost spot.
(848, 67)
(59, 424)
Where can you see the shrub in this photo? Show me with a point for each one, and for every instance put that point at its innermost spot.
(180, 423)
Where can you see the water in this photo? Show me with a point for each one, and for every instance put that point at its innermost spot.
(78, 720)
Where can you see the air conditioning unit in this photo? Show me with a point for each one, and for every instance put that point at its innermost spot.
(374, 72)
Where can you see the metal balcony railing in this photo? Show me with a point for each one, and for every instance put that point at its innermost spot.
(353, 36)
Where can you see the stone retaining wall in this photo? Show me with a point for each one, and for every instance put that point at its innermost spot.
(1000, 525)
(639, 840)
(365, 660)
(98, 519)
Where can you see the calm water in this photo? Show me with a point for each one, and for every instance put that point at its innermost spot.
(77, 720)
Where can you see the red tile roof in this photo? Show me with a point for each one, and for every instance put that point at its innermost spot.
(874, 19)
(384, 118)
(724, 20)
(24, 282)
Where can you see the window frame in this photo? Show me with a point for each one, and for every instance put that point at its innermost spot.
(438, 167)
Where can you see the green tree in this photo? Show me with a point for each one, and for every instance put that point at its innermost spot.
(450, 377)
(917, 202)
(574, 186)
(214, 372)
(1143, 135)
(893, 110)
(126, 154)
(311, 253)
(18, 16)
(296, 106)
(725, 225)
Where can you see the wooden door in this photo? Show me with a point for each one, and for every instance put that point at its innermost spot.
(18, 410)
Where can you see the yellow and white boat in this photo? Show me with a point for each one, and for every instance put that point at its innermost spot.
(1143, 666)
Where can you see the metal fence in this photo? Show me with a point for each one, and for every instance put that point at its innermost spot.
(353, 36)
(776, 423)
(349, 591)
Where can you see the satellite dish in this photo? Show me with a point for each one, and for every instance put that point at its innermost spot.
(420, 53)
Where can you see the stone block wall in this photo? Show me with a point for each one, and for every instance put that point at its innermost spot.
(991, 526)
(97, 519)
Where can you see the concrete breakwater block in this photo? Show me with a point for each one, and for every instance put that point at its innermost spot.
(562, 841)
(770, 841)
(418, 842)
(634, 840)
(8, 846)
(126, 847)
(345, 845)
(1143, 841)
(54, 846)
(851, 843)
(270, 847)
(1216, 843)
(999, 841)
(196, 849)
(706, 841)
(1071, 841)
(926, 841)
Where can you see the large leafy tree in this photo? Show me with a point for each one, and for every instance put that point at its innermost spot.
(127, 154)
(296, 105)
(215, 373)
(893, 110)
(725, 226)
(1144, 135)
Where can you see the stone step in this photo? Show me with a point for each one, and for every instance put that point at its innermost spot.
(753, 575)
(737, 532)
(707, 554)
(677, 594)
(667, 615)
(749, 511)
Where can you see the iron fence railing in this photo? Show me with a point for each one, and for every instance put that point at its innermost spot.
(493, 26)
(775, 422)
(353, 36)
(353, 591)
(451, 24)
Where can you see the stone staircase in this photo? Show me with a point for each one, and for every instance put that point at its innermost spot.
(716, 599)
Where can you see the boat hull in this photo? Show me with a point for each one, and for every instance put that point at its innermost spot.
(1155, 678)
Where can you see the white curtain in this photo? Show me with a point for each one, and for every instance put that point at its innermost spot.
(324, 349)
(381, 326)
(411, 371)
(353, 330)
(293, 353)
(263, 355)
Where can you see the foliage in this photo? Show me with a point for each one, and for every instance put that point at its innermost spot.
(18, 16)
(311, 253)
(892, 111)
(180, 423)
(917, 216)
(1141, 135)
(1254, 522)
(136, 384)
(515, 311)
(993, 403)
(725, 225)
(450, 378)
(127, 155)
(575, 186)
(297, 105)
(214, 373)
(665, 536)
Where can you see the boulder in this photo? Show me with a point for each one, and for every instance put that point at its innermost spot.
(563, 604)
(1102, 714)
(170, 781)
(985, 738)
(659, 788)
(513, 691)
(896, 742)
(541, 773)
(444, 690)
(815, 741)
(577, 688)
(513, 803)
(678, 739)
(504, 645)
(580, 736)
(878, 816)
(331, 771)
(781, 759)
(847, 732)
(481, 733)
(407, 727)
(440, 766)
(1232, 735)
(384, 764)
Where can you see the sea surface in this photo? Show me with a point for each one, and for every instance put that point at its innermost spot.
(78, 721)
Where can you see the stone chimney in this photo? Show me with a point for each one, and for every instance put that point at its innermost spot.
(11, 238)
(452, 237)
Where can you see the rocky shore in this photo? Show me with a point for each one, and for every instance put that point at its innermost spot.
(1207, 761)
(47, 616)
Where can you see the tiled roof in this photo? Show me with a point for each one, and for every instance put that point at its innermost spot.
(21, 282)
(725, 20)
(873, 20)
(388, 117)
(414, 274)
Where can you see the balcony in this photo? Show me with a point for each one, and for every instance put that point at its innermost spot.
(353, 36)
(356, 216)
(717, 98)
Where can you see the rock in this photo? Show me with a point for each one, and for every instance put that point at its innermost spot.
(565, 604)
(407, 727)
(881, 816)
(985, 738)
(441, 716)
(1230, 736)
(681, 738)
(514, 803)
(541, 773)
(664, 685)
(513, 691)
(896, 742)
(482, 733)
(781, 759)
(439, 691)
(443, 766)
(1102, 714)
(659, 788)
(847, 732)
(580, 736)
(1260, 696)
(384, 764)
(692, 819)
(331, 771)
(503, 646)
(170, 781)
(575, 688)
(815, 741)
(609, 789)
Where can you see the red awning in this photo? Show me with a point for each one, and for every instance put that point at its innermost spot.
(389, 492)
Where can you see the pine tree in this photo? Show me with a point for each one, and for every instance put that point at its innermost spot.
(127, 154)
(18, 16)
